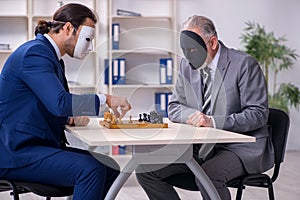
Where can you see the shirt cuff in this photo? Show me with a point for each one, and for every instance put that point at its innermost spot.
(102, 98)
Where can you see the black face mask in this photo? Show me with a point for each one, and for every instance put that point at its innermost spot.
(194, 48)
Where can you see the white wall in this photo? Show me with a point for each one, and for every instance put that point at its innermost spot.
(279, 16)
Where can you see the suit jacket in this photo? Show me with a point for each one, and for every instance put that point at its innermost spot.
(35, 104)
(239, 104)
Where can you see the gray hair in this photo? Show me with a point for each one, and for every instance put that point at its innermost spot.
(201, 23)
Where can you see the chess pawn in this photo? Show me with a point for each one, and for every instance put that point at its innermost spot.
(140, 119)
(114, 119)
(130, 119)
(106, 114)
(108, 117)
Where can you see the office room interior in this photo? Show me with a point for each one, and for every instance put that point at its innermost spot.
(229, 17)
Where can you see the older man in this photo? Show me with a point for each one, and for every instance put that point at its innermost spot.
(221, 88)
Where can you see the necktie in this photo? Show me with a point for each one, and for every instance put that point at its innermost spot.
(207, 83)
(205, 149)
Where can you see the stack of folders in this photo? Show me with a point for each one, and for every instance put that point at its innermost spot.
(166, 71)
(115, 36)
(162, 100)
(118, 67)
(119, 150)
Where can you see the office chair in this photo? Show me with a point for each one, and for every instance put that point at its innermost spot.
(20, 187)
(278, 127)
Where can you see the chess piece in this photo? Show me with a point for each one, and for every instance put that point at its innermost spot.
(130, 119)
(105, 116)
(140, 119)
(114, 119)
(108, 117)
(145, 117)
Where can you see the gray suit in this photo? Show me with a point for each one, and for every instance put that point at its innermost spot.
(239, 103)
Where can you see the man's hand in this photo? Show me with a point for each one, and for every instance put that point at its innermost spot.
(79, 120)
(116, 102)
(199, 119)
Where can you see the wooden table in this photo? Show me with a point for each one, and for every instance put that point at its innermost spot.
(157, 146)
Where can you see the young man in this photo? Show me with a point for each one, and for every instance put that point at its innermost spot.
(221, 88)
(35, 105)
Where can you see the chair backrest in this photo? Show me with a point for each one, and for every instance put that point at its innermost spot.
(279, 123)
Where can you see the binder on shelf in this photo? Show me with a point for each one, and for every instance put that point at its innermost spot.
(169, 63)
(118, 71)
(115, 71)
(166, 71)
(106, 71)
(115, 150)
(128, 13)
(115, 36)
(162, 100)
(122, 149)
(169, 94)
(121, 70)
(162, 73)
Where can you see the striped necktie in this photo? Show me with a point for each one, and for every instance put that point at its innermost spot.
(207, 83)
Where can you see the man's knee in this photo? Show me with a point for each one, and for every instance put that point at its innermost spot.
(106, 160)
(140, 177)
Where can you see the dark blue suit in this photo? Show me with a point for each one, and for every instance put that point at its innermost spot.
(34, 107)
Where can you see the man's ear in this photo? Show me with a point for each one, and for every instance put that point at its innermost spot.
(68, 28)
(214, 42)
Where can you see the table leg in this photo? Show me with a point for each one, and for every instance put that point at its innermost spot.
(121, 179)
(204, 179)
(184, 154)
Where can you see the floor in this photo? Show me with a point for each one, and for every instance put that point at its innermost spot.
(286, 186)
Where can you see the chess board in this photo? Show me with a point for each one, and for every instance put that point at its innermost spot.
(110, 121)
(135, 124)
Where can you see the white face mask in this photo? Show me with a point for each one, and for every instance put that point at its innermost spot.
(84, 42)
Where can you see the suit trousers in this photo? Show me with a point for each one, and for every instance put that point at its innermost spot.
(221, 166)
(90, 174)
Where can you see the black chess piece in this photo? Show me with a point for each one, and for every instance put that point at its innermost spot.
(145, 117)
(140, 119)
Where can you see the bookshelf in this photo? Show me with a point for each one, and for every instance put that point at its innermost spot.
(143, 41)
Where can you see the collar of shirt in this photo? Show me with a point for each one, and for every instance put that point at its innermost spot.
(214, 63)
(54, 46)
